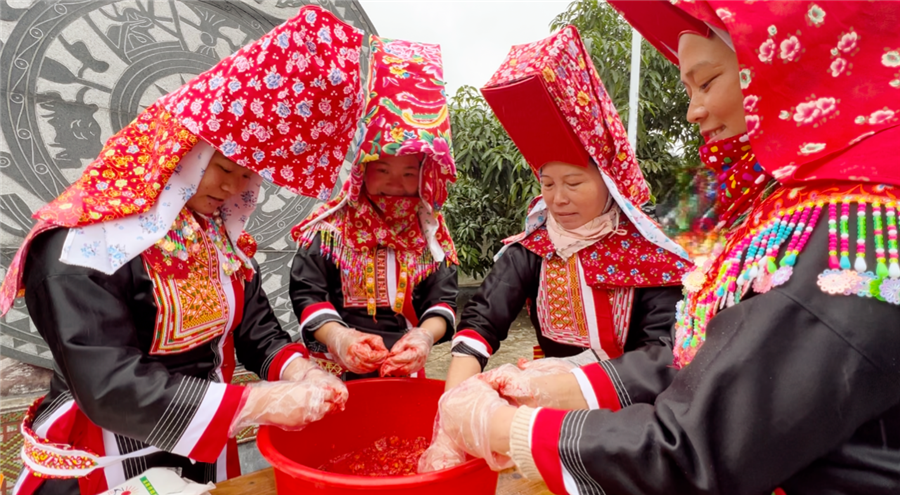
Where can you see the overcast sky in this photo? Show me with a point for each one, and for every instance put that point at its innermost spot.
(474, 35)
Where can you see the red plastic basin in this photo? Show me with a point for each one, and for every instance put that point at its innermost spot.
(376, 408)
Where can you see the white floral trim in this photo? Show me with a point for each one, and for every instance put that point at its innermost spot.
(108, 246)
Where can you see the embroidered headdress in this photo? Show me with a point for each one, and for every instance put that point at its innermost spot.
(550, 100)
(406, 114)
(821, 85)
(284, 107)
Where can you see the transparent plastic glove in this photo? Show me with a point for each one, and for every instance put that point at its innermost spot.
(409, 353)
(356, 351)
(522, 387)
(465, 415)
(443, 453)
(298, 369)
(563, 365)
(290, 405)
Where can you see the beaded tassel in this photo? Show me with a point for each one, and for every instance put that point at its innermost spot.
(752, 261)
(845, 236)
(860, 264)
(881, 269)
(888, 288)
(894, 267)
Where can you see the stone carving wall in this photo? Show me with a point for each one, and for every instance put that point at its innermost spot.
(76, 71)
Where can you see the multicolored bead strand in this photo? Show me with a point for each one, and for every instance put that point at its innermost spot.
(833, 260)
(889, 288)
(806, 224)
(845, 235)
(860, 264)
(835, 279)
(881, 269)
(894, 263)
(765, 281)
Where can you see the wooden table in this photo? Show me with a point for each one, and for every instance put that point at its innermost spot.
(263, 483)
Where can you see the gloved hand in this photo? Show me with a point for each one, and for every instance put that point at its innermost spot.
(300, 368)
(443, 453)
(290, 405)
(356, 351)
(547, 366)
(409, 353)
(524, 387)
(465, 418)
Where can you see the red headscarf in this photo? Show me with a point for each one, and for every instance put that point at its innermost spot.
(550, 100)
(821, 82)
(284, 106)
(821, 85)
(406, 114)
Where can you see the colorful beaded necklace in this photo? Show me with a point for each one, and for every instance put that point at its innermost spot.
(182, 240)
(749, 260)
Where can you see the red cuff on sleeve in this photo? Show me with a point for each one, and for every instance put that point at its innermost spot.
(545, 447)
(214, 437)
(468, 333)
(312, 309)
(603, 386)
(283, 355)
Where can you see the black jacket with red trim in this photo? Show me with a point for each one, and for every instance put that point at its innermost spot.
(794, 389)
(318, 297)
(99, 329)
(513, 282)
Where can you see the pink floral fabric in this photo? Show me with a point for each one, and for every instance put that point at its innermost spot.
(821, 81)
(623, 259)
(285, 106)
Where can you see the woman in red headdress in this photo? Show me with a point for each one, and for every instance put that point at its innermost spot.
(374, 279)
(786, 341)
(141, 280)
(595, 272)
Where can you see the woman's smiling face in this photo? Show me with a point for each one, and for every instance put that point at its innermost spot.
(711, 75)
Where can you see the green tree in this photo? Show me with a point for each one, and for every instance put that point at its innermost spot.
(488, 202)
(666, 142)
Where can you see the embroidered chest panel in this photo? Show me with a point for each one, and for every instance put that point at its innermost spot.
(354, 282)
(571, 312)
(191, 310)
(560, 303)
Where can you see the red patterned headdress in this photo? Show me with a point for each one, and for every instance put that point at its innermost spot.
(284, 106)
(406, 114)
(821, 82)
(550, 100)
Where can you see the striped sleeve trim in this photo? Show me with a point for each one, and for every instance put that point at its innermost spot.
(58, 401)
(544, 441)
(469, 343)
(474, 340)
(178, 414)
(443, 310)
(575, 472)
(597, 388)
(275, 364)
(617, 383)
(316, 315)
(207, 432)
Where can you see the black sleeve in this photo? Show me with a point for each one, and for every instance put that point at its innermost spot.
(646, 368)
(784, 378)
(512, 280)
(311, 276)
(84, 317)
(436, 297)
(258, 337)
